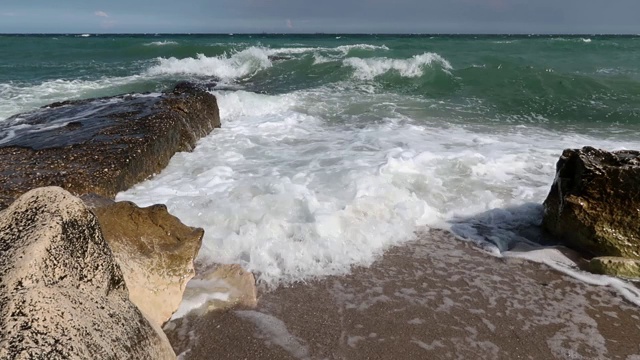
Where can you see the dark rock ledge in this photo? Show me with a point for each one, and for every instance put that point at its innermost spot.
(101, 146)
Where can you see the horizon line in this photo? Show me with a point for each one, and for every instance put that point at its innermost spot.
(324, 33)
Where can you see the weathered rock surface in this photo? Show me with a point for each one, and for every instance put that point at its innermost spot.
(101, 146)
(155, 252)
(62, 295)
(594, 202)
(616, 266)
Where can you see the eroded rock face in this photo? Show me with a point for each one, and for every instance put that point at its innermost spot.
(154, 250)
(594, 203)
(101, 146)
(62, 295)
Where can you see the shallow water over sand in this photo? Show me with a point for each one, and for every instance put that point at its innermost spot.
(435, 298)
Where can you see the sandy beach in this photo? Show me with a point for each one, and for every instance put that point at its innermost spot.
(434, 298)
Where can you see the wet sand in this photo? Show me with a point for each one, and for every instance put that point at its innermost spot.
(435, 298)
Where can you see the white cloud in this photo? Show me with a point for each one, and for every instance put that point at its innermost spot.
(8, 14)
(101, 14)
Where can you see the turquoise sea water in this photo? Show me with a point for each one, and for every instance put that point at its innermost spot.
(335, 147)
(557, 80)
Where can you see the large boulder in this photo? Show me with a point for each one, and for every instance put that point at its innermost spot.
(101, 146)
(594, 202)
(155, 252)
(62, 294)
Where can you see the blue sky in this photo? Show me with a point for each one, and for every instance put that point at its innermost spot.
(365, 16)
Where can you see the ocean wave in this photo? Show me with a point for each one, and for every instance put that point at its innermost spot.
(239, 64)
(225, 67)
(368, 69)
(320, 59)
(342, 49)
(584, 40)
(161, 43)
(346, 48)
(289, 178)
(24, 97)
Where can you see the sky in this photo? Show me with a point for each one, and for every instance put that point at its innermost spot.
(330, 16)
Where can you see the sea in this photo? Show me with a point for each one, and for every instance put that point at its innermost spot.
(334, 148)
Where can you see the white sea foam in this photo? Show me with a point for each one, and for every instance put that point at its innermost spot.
(320, 59)
(367, 69)
(19, 98)
(291, 188)
(225, 67)
(555, 259)
(342, 49)
(346, 48)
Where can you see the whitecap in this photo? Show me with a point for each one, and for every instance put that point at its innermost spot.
(161, 43)
(237, 65)
(369, 68)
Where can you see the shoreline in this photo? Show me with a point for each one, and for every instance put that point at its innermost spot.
(436, 297)
(366, 159)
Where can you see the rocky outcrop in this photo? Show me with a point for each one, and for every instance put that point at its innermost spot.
(594, 202)
(155, 252)
(101, 146)
(62, 294)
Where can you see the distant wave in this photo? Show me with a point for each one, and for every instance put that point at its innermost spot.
(225, 67)
(585, 40)
(161, 43)
(347, 48)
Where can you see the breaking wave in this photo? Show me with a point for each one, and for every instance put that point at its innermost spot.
(367, 69)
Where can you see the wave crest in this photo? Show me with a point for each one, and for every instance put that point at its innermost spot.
(368, 69)
(240, 64)
(161, 43)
